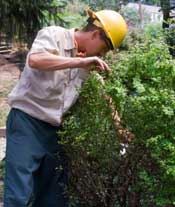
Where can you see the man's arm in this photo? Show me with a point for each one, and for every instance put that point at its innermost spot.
(49, 62)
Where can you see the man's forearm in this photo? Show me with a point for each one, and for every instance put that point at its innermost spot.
(50, 62)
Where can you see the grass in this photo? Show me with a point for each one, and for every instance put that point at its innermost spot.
(5, 88)
(2, 173)
(1, 192)
(2, 169)
(4, 110)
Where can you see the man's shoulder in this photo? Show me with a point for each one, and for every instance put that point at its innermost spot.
(55, 31)
(55, 34)
(55, 28)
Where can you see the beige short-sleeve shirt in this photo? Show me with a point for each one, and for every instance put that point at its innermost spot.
(48, 95)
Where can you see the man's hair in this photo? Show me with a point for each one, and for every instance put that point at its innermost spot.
(91, 27)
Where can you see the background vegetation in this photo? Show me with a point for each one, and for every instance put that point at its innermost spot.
(103, 171)
(20, 20)
(143, 173)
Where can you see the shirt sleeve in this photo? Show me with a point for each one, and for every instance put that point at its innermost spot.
(46, 41)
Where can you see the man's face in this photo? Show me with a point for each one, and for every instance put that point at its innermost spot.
(95, 46)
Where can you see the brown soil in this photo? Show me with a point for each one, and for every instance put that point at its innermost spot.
(8, 71)
(10, 67)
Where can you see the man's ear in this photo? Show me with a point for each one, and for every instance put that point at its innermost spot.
(95, 34)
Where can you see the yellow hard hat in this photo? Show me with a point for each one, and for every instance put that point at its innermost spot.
(112, 24)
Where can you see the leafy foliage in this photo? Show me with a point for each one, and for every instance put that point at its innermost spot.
(89, 137)
(142, 86)
(147, 76)
(22, 19)
(101, 4)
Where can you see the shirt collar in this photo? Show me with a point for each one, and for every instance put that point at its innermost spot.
(69, 40)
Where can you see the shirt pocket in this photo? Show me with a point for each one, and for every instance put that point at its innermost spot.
(59, 80)
(83, 74)
(73, 74)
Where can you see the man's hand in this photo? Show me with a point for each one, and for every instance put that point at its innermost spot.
(95, 63)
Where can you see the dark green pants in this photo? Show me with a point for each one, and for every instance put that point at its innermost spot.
(36, 171)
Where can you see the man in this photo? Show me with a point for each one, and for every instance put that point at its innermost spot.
(58, 63)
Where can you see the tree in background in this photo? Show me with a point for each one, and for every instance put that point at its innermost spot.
(22, 19)
(165, 5)
(103, 4)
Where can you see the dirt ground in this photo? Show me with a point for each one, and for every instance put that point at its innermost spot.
(10, 66)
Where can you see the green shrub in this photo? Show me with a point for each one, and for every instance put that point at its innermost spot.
(142, 86)
(153, 30)
(147, 75)
(89, 137)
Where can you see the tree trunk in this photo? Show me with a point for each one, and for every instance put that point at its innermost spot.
(140, 13)
(165, 4)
